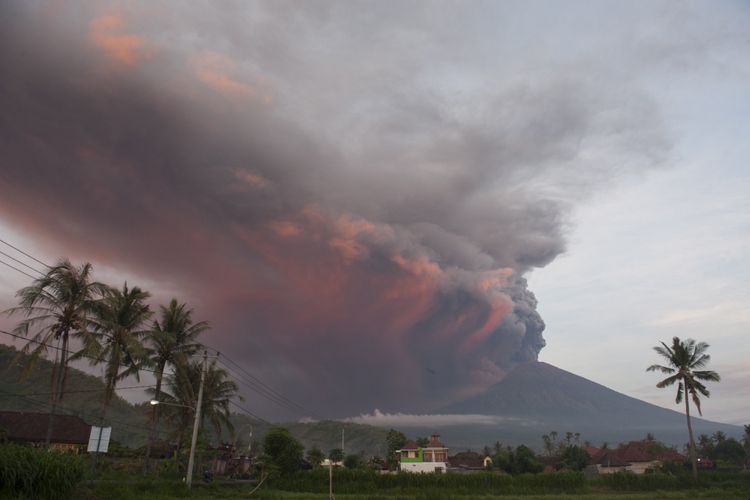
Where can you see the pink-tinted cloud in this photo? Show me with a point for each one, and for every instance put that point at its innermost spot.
(251, 178)
(217, 71)
(357, 244)
(107, 32)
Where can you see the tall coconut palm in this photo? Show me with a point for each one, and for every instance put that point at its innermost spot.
(171, 341)
(115, 339)
(684, 359)
(56, 306)
(218, 390)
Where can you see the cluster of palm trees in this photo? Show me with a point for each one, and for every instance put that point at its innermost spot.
(114, 327)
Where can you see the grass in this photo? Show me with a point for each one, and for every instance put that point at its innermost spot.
(713, 494)
(711, 486)
(27, 472)
(201, 493)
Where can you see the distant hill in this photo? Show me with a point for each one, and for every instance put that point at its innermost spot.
(83, 397)
(533, 399)
(326, 434)
(536, 398)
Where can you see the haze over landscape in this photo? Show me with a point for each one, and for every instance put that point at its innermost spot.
(393, 206)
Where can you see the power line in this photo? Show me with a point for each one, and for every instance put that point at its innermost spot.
(27, 255)
(14, 267)
(67, 351)
(21, 262)
(256, 382)
(248, 379)
(249, 412)
(264, 389)
(74, 412)
(79, 391)
(260, 391)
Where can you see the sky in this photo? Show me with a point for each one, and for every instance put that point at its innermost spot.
(390, 205)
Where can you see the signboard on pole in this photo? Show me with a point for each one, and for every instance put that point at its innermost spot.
(99, 439)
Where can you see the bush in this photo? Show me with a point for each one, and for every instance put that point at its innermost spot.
(574, 458)
(283, 450)
(628, 481)
(352, 462)
(352, 481)
(28, 472)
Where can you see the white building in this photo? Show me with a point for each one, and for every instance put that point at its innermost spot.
(431, 458)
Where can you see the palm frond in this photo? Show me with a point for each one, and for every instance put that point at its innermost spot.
(707, 375)
(669, 381)
(663, 369)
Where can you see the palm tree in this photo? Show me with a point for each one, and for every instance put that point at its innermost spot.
(56, 306)
(218, 390)
(171, 341)
(684, 359)
(116, 337)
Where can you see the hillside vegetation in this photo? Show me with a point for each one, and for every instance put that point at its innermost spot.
(83, 397)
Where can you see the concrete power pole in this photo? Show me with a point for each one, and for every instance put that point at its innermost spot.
(196, 423)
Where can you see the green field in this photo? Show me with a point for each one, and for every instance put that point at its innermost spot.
(133, 493)
(367, 486)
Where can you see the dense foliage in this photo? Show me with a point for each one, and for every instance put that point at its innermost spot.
(283, 450)
(574, 458)
(27, 472)
(348, 481)
(394, 441)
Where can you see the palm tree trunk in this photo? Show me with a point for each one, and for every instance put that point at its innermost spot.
(154, 417)
(693, 458)
(59, 373)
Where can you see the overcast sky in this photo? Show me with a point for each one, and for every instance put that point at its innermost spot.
(354, 194)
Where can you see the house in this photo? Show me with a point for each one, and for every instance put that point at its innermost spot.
(636, 457)
(467, 461)
(431, 458)
(69, 432)
(591, 450)
(228, 462)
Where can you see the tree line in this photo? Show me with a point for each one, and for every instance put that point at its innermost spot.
(116, 327)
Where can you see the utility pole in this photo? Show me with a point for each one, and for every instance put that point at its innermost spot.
(196, 423)
(342, 442)
(330, 479)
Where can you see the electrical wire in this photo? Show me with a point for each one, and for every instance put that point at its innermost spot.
(245, 377)
(21, 262)
(67, 351)
(24, 253)
(14, 267)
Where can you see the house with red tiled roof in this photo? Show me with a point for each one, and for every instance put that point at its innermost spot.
(635, 456)
(591, 450)
(69, 433)
(430, 458)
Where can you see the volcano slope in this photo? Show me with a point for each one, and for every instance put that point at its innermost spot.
(536, 398)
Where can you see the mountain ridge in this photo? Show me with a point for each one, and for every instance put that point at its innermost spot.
(545, 397)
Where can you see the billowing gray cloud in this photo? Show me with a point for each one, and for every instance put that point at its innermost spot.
(353, 193)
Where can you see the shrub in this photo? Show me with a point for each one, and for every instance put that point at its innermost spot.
(282, 449)
(627, 481)
(351, 481)
(28, 472)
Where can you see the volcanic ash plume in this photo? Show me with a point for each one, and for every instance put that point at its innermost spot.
(355, 223)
